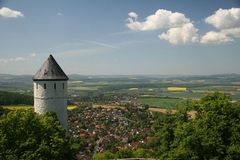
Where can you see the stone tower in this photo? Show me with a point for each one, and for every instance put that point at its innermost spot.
(50, 90)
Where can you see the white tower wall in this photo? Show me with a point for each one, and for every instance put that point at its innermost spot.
(51, 96)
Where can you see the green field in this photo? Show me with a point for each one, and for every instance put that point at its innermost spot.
(16, 107)
(151, 90)
(160, 102)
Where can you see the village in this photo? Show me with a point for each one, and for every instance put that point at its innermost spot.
(110, 128)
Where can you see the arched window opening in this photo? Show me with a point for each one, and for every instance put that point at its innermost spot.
(55, 86)
(63, 85)
(45, 86)
(37, 85)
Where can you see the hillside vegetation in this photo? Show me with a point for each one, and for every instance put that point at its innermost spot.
(12, 98)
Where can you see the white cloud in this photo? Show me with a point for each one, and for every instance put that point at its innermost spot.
(133, 15)
(233, 32)
(181, 30)
(9, 13)
(225, 18)
(227, 21)
(215, 37)
(161, 19)
(181, 35)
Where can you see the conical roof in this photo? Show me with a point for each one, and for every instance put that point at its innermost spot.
(50, 70)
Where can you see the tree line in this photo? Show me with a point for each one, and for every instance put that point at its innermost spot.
(12, 98)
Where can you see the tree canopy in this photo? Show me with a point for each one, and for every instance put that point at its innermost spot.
(10, 98)
(26, 135)
(214, 133)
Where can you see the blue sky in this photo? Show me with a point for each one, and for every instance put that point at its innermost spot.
(121, 36)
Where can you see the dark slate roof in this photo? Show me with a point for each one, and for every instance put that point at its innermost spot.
(50, 70)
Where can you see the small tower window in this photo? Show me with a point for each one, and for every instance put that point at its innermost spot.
(55, 86)
(63, 85)
(45, 86)
(37, 85)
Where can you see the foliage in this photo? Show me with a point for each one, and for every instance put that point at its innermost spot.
(124, 153)
(26, 135)
(212, 134)
(10, 98)
(103, 156)
(3, 110)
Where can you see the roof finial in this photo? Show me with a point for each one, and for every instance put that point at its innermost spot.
(51, 53)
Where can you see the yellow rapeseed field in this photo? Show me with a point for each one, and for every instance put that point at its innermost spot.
(176, 88)
(71, 107)
(16, 107)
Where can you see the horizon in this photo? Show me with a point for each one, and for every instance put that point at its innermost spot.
(121, 37)
(166, 75)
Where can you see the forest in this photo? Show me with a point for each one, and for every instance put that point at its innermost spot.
(12, 98)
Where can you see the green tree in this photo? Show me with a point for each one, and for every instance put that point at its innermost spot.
(9, 98)
(213, 134)
(26, 135)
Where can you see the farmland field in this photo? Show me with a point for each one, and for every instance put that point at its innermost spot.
(16, 107)
(156, 91)
(160, 102)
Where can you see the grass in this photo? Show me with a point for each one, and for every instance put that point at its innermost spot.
(17, 107)
(84, 88)
(160, 102)
(133, 89)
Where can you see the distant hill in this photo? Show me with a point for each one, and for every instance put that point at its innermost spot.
(20, 83)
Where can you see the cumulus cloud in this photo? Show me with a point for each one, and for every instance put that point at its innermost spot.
(133, 15)
(181, 30)
(159, 20)
(234, 32)
(9, 13)
(181, 35)
(227, 23)
(215, 37)
(225, 18)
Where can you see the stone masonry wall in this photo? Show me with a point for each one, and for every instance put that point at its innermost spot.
(51, 98)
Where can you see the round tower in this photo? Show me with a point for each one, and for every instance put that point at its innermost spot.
(50, 90)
